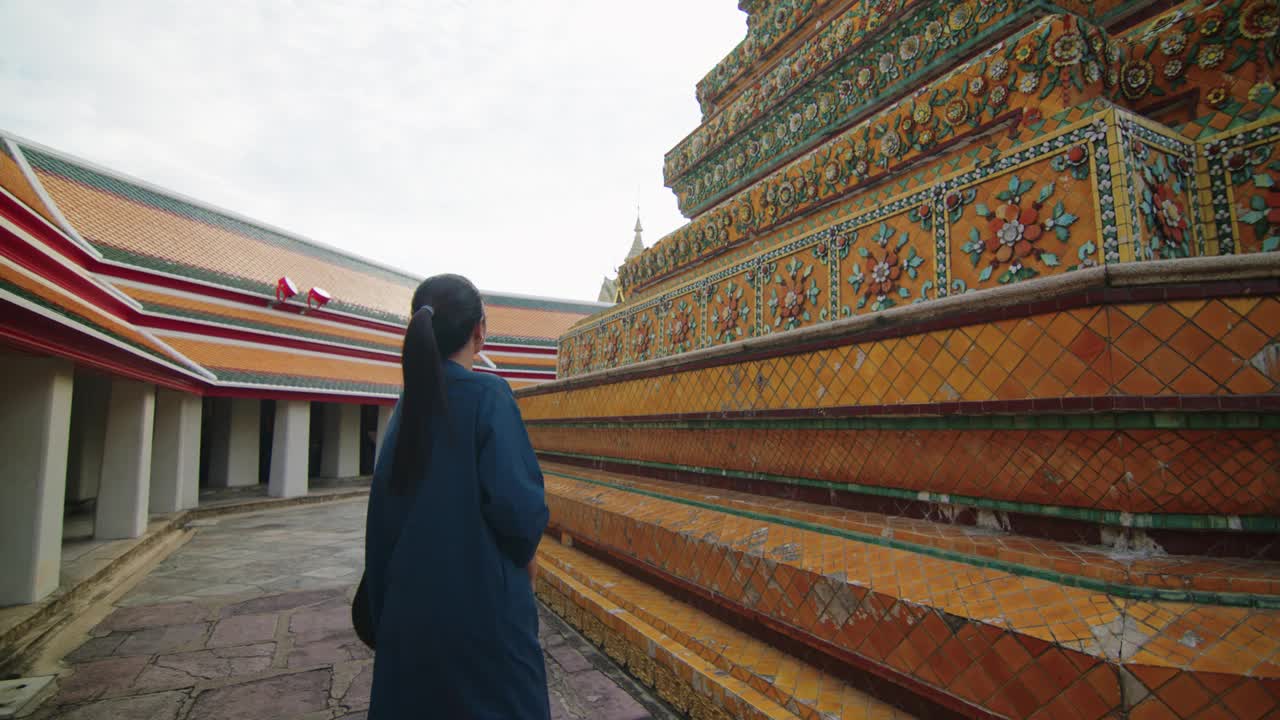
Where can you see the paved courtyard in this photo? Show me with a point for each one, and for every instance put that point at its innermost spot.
(251, 619)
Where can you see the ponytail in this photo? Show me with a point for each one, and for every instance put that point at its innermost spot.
(424, 400)
(446, 310)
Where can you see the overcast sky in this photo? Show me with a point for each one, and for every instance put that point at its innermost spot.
(508, 140)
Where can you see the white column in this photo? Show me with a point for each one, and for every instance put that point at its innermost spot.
(175, 452)
(35, 420)
(233, 458)
(340, 451)
(384, 417)
(88, 430)
(290, 445)
(125, 488)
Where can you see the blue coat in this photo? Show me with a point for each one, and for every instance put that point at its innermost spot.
(452, 605)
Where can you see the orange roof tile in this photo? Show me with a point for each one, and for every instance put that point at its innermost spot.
(72, 307)
(525, 322)
(113, 222)
(148, 227)
(160, 300)
(221, 357)
(135, 224)
(13, 180)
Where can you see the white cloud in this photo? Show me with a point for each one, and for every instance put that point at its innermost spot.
(503, 139)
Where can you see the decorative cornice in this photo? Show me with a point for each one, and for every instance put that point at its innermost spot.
(1131, 282)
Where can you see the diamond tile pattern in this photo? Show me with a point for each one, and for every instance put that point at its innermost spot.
(1219, 346)
(752, 674)
(1209, 472)
(1223, 575)
(1014, 645)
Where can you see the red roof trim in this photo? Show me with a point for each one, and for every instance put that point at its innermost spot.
(32, 332)
(24, 218)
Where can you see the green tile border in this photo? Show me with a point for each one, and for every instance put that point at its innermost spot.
(1129, 592)
(301, 382)
(1140, 521)
(497, 299)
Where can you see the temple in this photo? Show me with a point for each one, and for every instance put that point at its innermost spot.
(957, 395)
(610, 292)
(153, 346)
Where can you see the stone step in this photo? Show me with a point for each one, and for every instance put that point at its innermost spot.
(977, 639)
(1174, 577)
(702, 666)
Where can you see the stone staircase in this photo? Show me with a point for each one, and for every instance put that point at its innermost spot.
(700, 665)
(992, 627)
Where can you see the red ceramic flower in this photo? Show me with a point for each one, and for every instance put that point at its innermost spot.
(1170, 216)
(791, 299)
(680, 326)
(1013, 232)
(725, 318)
(612, 349)
(642, 341)
(882, 274)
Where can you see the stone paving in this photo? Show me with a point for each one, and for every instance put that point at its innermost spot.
(251, 619)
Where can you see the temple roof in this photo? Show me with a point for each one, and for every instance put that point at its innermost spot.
(177, 262)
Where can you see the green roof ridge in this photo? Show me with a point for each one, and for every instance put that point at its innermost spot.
(250, 377)
(497, 299)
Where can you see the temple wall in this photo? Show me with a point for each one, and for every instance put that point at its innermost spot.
(1127, 409)
(960, 391)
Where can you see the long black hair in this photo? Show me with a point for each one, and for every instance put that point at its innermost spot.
(446, 310)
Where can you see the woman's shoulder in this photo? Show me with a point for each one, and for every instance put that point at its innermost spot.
(483, 384)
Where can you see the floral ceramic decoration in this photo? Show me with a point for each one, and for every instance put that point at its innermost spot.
(812, 59)
(793, 292)
(729, 312)
(586, 353)
(1162, 186)
(899, 135)
(878, 274)
(854, 84)
(643, 333)
(565, 356)
(1254, 176)
(682, 325)
(844, 67)
(1013, 215)
(763, 31)
(614, 345)
(1026, 229)
(1225, 50)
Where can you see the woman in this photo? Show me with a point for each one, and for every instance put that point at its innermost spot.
(455, 515)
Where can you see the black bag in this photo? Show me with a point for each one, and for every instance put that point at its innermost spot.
(362, 615)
